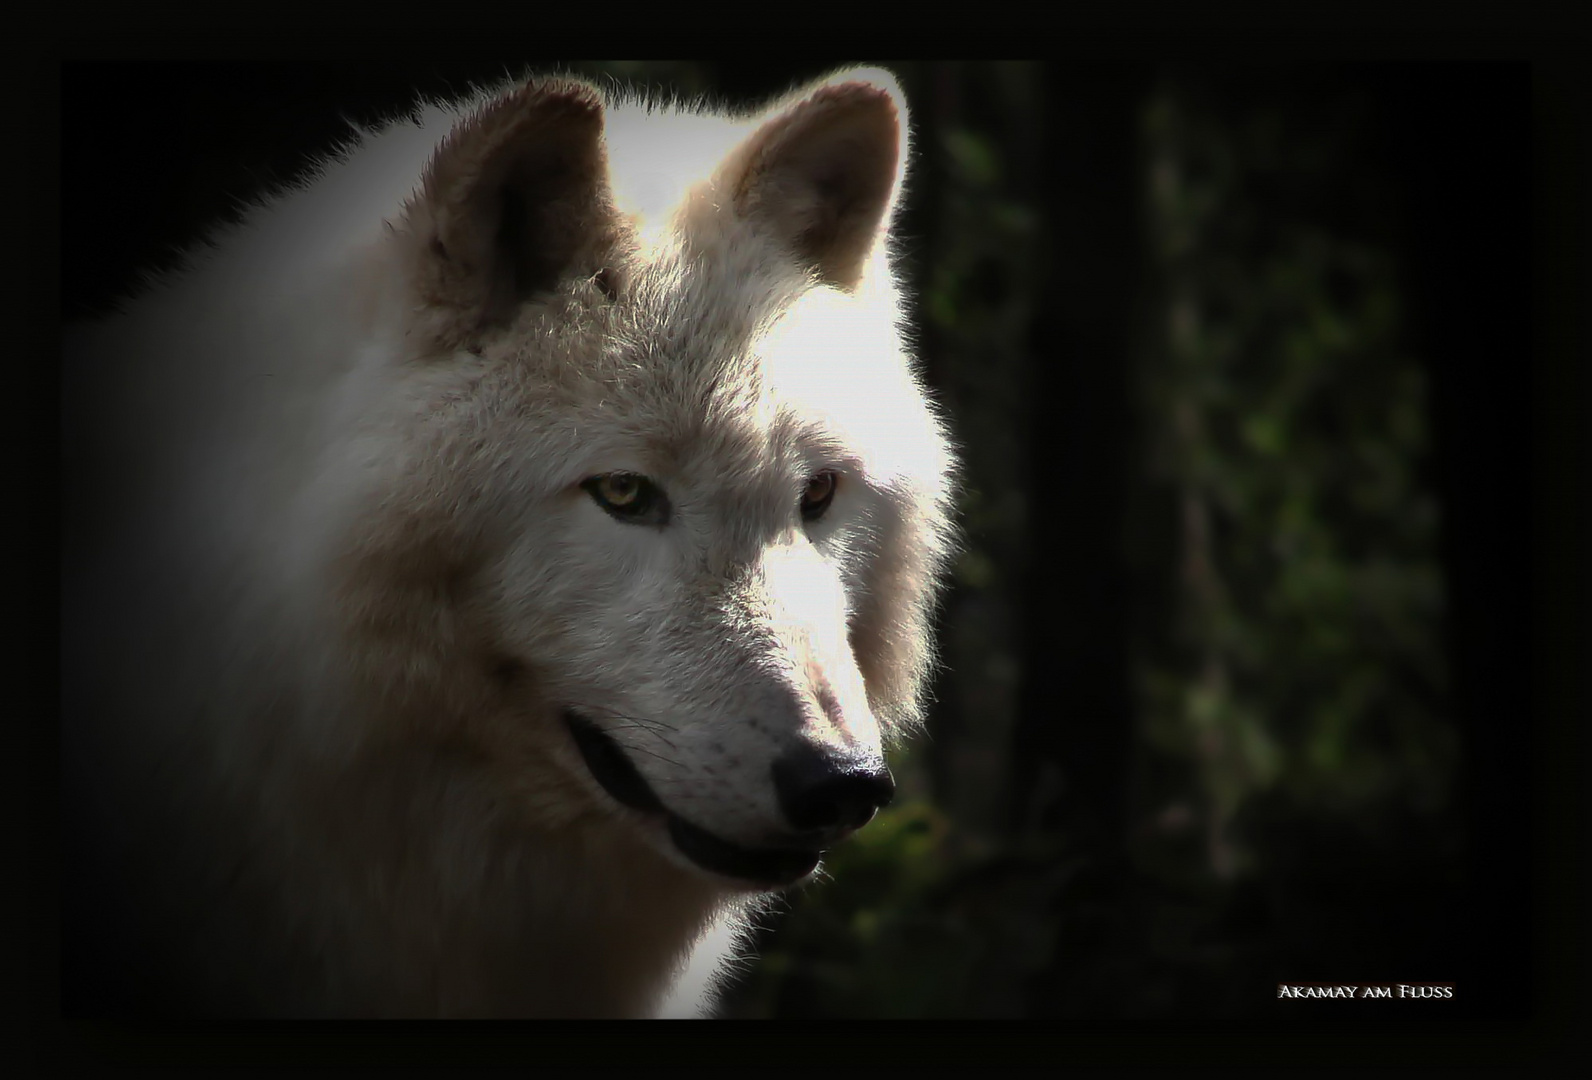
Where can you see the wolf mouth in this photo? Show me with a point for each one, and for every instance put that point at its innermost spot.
(618, 776)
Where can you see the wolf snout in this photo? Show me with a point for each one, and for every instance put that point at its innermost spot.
(831, 791)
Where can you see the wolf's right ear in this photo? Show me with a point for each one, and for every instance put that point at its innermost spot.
(513, 199)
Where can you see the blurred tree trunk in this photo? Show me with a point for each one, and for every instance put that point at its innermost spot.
(1070, 748)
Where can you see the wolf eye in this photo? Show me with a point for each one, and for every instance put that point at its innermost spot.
(629, 497)
(819, 494)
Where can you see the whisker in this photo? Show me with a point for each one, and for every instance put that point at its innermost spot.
(653, 754)
(651, 725)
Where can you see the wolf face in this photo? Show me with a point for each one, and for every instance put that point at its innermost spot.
(666, 486)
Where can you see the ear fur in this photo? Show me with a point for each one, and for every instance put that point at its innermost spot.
(513, 199)
(823, 172)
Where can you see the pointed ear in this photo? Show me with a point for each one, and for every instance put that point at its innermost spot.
(515, 198)
(823, 172)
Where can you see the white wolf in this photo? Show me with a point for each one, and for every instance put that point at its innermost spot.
(496, 563)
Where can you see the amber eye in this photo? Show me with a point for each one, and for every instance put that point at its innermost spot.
(819, 494)
(629, 497)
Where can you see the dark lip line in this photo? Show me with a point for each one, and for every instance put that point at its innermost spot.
(618, 776)
(610, 766)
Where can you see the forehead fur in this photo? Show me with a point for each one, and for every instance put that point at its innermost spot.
(698, 346)
(671, 372)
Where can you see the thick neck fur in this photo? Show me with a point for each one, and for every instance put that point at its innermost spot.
(444, 904)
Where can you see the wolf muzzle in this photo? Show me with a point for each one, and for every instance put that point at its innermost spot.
(825, 796)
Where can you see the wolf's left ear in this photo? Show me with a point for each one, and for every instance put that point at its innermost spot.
(823, 172)
(515, 198)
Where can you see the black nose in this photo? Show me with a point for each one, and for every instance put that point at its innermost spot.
(829, 789)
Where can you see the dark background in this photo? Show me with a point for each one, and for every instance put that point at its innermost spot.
(1243, 683)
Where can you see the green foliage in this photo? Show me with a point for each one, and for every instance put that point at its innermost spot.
(1306, 654)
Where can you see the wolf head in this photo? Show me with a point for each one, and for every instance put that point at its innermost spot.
(650, 504)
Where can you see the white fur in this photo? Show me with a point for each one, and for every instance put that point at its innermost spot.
(331, 579)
